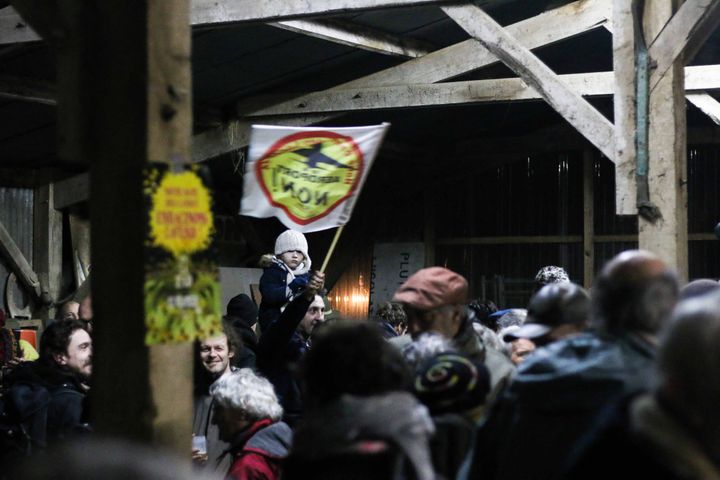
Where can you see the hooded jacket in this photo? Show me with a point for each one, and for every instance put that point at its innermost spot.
(258, 451)
(554, 399)
(278, 286)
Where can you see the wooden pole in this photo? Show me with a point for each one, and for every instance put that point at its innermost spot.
(338, 232)
(667, 178)
(47, 247)
(118, 119)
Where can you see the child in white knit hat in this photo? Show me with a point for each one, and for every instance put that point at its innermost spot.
(284, 276)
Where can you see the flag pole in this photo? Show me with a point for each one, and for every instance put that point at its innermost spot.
(332, 248)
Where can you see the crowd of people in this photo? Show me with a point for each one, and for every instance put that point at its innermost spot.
(434, 385)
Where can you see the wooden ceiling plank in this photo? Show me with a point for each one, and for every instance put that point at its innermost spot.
(444, 64)
(27, 89)
(358, 36)
(464, 57)
(222, 12)
(575, 109)
(209, 13)
(683, 34)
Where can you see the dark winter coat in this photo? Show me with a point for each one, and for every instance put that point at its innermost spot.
(278, 286)
(641, 437)
(554, 399)
(280, 350)
(259, 450)
(50, 402)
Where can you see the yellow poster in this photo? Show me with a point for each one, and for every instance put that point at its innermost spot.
(182, 291)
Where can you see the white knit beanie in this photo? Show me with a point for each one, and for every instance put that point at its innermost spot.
(292, 240)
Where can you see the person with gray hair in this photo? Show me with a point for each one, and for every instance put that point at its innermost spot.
(672, 432)
(247, 413)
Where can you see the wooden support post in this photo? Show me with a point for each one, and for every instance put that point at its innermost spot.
(624, 106)
(80, 241)
(668, 144)
(123, 119)
(588, 219)
(47, 247)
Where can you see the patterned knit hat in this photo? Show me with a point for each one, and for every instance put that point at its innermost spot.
(451, 382)
(551, 274)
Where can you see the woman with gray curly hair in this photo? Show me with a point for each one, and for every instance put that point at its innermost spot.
(247, 413)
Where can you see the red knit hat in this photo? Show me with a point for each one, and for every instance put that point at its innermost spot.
(433, 287)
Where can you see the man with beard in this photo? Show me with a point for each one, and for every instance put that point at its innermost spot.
(215, 357)
(49, 394)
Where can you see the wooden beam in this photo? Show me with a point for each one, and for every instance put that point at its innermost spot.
(544, 29)
(210, 12)
(682, 36)
(18, 262)
(47, 249)
(623, 30)
(71, 191)
(667, 170)
(703, 77)
(13, 29)
(122, 122)
(464, 57)
(707, 104)
(451, 93)
(576, 110)
(27, 89)
(358, 36)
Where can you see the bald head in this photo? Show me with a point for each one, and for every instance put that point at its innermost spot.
(635, 292)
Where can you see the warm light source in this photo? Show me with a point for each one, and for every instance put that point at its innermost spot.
(352, 300)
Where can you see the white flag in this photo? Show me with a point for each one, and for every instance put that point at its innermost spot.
(308, 177)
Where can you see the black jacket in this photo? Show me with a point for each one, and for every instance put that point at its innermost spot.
(279, 351)
(554, 399)
(276, 292)
(49, 400)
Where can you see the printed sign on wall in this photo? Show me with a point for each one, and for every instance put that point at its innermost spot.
(392, 264)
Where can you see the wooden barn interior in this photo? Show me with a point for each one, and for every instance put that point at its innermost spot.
(516, 141)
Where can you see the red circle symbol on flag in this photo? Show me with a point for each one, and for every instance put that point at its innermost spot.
(309, 174)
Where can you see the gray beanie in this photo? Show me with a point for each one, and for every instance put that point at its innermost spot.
(291, 240)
